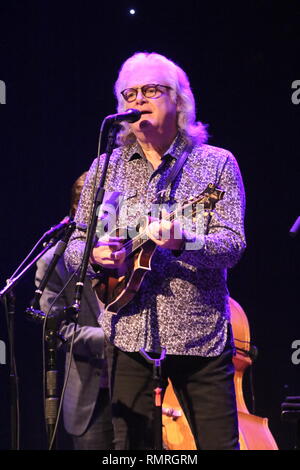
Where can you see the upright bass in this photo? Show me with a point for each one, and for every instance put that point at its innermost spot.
(254, 433)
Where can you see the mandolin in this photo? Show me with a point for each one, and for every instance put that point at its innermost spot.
(117, 287)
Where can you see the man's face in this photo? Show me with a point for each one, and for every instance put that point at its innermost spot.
(158, 113)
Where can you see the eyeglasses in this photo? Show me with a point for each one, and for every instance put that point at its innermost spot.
(149, 91)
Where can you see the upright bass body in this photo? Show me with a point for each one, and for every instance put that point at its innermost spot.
(254, 433)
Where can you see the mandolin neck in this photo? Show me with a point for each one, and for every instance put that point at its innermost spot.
(210, 196)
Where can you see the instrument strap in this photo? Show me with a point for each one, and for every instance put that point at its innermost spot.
(173, 173)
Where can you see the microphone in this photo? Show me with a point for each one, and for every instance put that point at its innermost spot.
(131, 115)
(295, 228)
(57, 229)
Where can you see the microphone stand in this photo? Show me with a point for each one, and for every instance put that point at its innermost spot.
(51, 336)
(8, 298)
(157, 396)
(59, 250)
(111, 122)
(73, 310)
(9, 302)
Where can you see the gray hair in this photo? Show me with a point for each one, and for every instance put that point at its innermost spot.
(195, 132)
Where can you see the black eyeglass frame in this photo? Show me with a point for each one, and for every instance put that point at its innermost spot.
(144, 90)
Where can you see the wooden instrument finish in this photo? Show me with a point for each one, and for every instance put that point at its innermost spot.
(254, 433)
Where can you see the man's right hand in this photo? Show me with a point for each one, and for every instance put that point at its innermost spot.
(109, 253)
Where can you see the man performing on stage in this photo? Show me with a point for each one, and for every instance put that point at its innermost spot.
(182, 303)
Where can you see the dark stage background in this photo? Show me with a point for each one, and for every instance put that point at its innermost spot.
(59, 61)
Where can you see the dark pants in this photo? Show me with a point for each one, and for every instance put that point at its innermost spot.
(203, 386)
(99, 434)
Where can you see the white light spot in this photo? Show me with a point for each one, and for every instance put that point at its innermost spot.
(132, 11)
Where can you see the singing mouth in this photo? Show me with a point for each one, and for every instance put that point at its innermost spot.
(144, 122)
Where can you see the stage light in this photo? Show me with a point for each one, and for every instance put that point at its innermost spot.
(132, 11)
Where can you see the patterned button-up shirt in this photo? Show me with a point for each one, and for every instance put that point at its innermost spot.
(182, 304)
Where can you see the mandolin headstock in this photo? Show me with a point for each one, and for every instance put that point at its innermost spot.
(208, 198)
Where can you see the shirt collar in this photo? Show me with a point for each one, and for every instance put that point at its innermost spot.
(175, 150)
